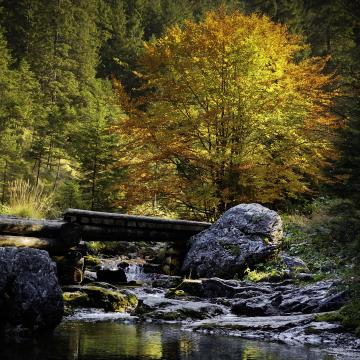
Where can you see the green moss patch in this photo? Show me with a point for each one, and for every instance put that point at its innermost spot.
(97, 297)
(91, 261)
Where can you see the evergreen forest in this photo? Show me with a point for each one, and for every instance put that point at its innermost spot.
(185, 108)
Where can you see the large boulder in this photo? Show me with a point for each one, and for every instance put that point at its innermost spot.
(244, 236)
(30, 295)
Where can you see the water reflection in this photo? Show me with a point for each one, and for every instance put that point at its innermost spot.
(79, 340)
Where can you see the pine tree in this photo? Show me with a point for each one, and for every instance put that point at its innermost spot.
(19, 107)
(95, 145)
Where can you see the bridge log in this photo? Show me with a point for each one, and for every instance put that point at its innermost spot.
(55, 236)
(100, 226)
(48, 244)
(22, 226)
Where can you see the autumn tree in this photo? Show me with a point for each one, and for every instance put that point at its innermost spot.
(234, 115)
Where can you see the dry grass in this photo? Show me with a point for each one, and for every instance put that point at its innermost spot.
(28, 200)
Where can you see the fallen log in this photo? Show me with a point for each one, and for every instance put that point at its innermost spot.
(55, 236)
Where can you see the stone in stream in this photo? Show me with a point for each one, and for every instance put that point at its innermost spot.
(100, 295)
(164, 309)
(30, 295)
(245, 235)
(110, 275)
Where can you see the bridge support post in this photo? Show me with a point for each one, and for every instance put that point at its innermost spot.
(174, 257)
(70, 267)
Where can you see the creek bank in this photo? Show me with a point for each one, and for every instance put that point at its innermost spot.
(211, 306)
(284, 309)
(290, 329)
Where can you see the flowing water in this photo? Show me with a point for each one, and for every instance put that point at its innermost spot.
(135, 272)
(95, 335)
(119, 339)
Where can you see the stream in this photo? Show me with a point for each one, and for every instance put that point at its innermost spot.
(92, 334)
(116, 339)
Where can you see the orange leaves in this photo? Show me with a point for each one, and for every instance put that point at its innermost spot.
(232, 115)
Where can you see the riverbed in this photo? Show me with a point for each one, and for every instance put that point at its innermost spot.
(120, 338)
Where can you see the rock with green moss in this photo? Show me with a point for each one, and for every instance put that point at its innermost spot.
(76, 299)
(91, 261)
(99, 297)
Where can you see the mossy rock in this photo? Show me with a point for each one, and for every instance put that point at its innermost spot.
(191, 287)
(170, 316)
(91, 261)
(329, 316)
(76, 299)
(174, 293)
(98, 297)
(350, 315)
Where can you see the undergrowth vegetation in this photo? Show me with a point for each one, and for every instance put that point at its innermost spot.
(324, 236)
(28, 200)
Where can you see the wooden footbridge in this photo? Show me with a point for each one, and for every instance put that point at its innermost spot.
(63, 238)
(57, 236)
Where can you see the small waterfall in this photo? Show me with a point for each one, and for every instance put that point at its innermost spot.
(134, 272)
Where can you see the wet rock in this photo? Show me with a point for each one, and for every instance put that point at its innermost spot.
(268, 299)
(123, 265)
(135, 283)
(152, 268)
(312, 298)
(254, 324)
(91, 261)
(89, 276)
(166, 281)
(165, 309)
(333, 302)
(30, 295)
(258, 306)
(191, 287)
(100, 297)
(112, 276)
(244, 236)
(252, 299)
(290, 329)
(216, 287)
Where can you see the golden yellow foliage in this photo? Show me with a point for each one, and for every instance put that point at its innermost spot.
(234, 117)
